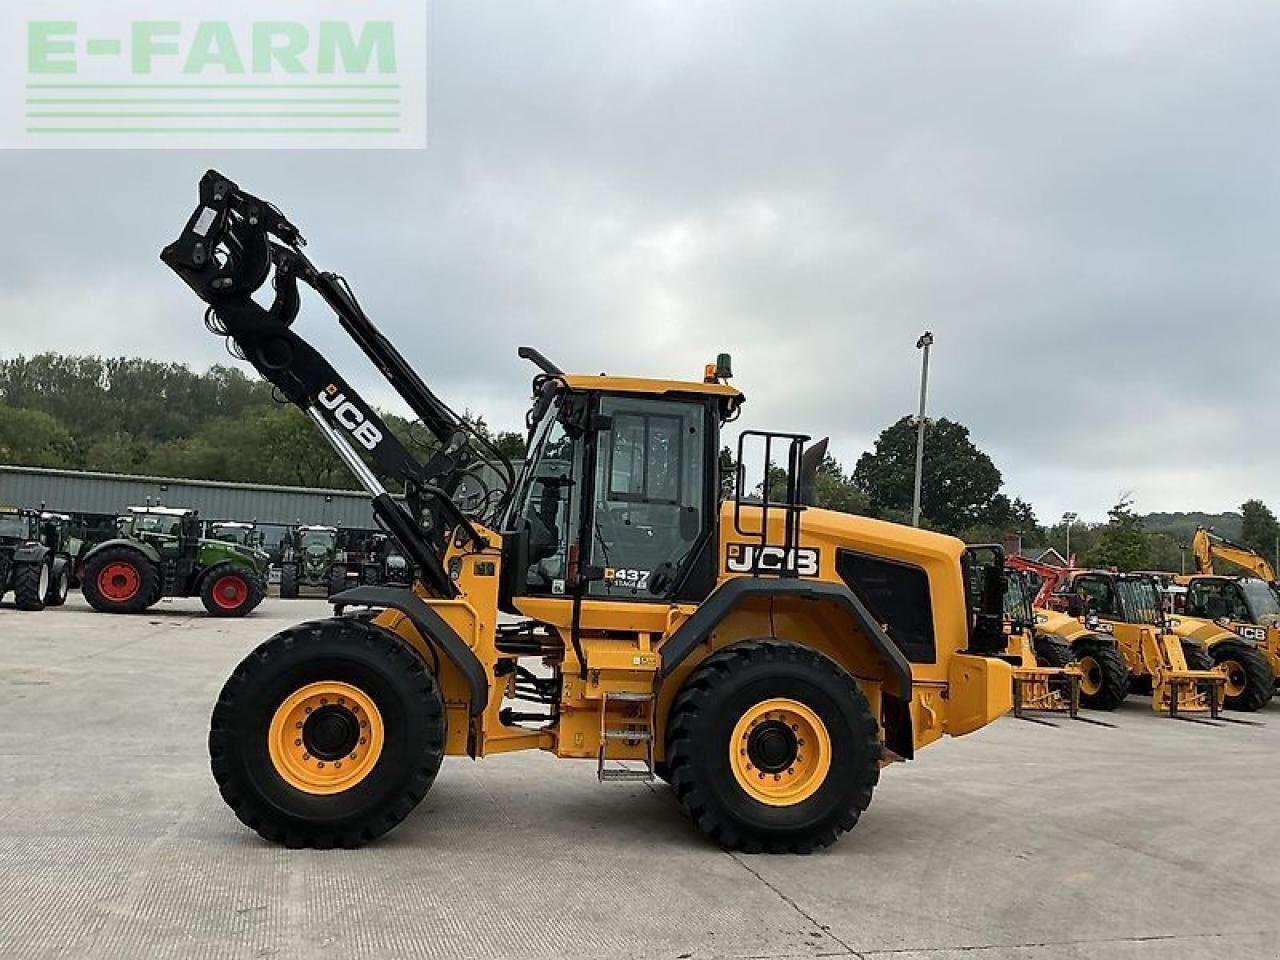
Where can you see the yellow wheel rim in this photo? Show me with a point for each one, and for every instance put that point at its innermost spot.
(1237, 678)
(780, 752)
(325, 737)
(1091, 676)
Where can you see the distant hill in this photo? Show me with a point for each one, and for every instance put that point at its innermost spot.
(1182, 526)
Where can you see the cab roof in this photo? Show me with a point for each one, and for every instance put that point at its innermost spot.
(162, 511)
(577, 381)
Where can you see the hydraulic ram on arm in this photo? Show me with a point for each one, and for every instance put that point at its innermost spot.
(225, 254)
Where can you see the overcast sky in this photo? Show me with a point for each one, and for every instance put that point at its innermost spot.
(1080, 199)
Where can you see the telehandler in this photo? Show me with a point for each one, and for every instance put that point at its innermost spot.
(1249, 606)
(1046, 678)
(772, 657)
(1129, 608)
(1059, 640)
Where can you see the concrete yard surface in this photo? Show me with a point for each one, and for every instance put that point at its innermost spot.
(1151, 839)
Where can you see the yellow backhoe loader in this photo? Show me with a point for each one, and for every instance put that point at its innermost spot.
(766, 657)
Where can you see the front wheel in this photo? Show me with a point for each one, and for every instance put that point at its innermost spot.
(230, 590)
(772, 746)
(328, 734)
(1250, 683)
(1104, 681)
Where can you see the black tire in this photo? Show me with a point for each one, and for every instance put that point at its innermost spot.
(30, 584)
(712, 702)
(231, 590)
(1052, 652)
(59, 584)
(120, 558)
(1250, 683)
(337, 579)
(381, 665)
(1196, 655)
(1106, 679)
(289, 582)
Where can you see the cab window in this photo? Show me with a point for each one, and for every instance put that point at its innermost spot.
(549, 504)
(649, 508)
(1215, 599)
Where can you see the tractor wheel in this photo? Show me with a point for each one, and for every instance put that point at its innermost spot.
(120, 580)
(230, 590)
(1250, 682)
(288, 582)
(59, 584)
(771, 746)
(327, 735)
(337, 578)
(1105, 680)
(30, 584)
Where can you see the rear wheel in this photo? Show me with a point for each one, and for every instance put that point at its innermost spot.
(1105, 677)
(30, 584)
(1250, 682)
(59, 584)
(772, 746)
(327, 735)
(230, 590)
(120, 580)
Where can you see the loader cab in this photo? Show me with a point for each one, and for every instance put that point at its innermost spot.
(1243, 600)
(1118, 597)
(618, 498)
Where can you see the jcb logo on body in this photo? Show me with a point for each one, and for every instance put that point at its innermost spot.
(349, 416)
(753, 558)
(1252, 633)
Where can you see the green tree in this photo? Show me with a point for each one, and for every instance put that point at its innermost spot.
(1260, 528)
(33, 438)
(1123, 543)
(960, 486)
(835, 490)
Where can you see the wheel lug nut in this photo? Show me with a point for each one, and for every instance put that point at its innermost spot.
(308, 710)
(297, 743)
(362, 740)
(776, 778)
(324, 701)
(320, 764)
(337, 763)
(298, 725)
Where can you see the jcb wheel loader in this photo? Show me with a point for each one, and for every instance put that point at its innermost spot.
(771, 655)
(1129, 608)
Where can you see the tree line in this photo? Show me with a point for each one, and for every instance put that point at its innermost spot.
(133, 416)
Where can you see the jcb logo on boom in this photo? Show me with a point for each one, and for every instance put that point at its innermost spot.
(752, 558)
(349, 416)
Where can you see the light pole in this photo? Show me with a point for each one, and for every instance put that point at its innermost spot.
(1068, 518)
(924, 343)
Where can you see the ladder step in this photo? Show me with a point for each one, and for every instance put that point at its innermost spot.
(622, 733)
(618, 774)
(627, 695)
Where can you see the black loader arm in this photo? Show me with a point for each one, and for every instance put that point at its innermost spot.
(227, 251)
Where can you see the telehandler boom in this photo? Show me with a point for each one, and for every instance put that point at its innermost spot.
(764, 656)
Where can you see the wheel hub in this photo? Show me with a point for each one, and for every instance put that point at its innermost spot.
(780, 752)
(325, 737)
(331, 732)
(230, 591)
(772, 746)
(118, 581)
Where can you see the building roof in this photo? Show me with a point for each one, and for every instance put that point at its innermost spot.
(1048, 555)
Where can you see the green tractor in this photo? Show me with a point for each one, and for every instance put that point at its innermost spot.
(311, 558)
(160, 553)
(34, 563)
